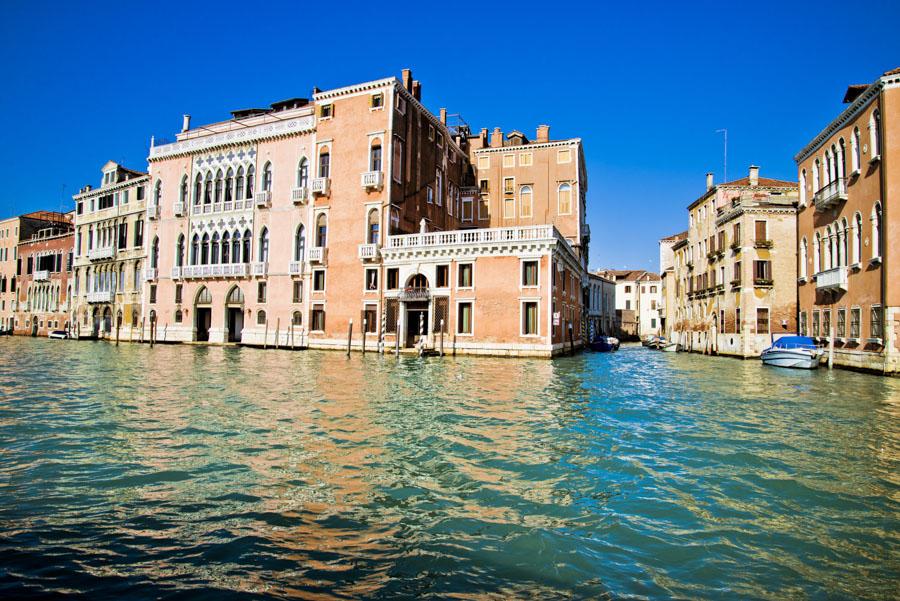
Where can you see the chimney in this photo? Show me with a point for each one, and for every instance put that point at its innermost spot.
(484, 137)
(754, 175)
(417, 90)
(543, 133)
(407, 80)
(185, 123)
(497, 138)
(709, 181)
(444, 116)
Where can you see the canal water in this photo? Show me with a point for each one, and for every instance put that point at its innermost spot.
(217, 473)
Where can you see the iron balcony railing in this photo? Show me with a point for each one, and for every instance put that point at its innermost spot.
(831, 194)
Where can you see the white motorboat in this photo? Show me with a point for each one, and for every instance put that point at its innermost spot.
(669, 347)
(799, 352)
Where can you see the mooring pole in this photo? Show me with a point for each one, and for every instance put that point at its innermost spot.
(442, 337)
(397, 339)
(349, 336)
(266, 335)
(365, 323)
(277, 330)
(571, 341)
(421, 334)
(118, 325)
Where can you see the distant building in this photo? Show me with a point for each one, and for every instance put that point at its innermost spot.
(637, 301)
(43, 266)
(849, 271)
(735, 272)
(667, 282)
(110, 253)
(600, 305)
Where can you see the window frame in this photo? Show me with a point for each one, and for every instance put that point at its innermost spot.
(537, 321)
(471, 266)
(471, 303)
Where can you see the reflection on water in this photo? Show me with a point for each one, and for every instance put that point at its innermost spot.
(229, 472)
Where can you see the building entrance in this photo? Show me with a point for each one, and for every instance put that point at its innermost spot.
(416, 322)
(204, 321)
(235, 320)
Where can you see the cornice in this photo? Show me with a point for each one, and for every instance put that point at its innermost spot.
(257, 133)
(557, 143)
(103, 191)
(849, 113)
(355, 89)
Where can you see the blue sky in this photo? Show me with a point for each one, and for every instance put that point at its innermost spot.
(644, 85)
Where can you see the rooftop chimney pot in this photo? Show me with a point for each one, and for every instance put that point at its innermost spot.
(497, 138)
(754, 175)
(543, 133)
(185, 123)
(417, 89)
(407, 79)
(444, 116)
(709, 181)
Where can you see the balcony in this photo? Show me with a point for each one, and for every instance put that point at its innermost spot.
(300, 196)
(831, 194)
(152, 212)
(736, 283)
(223, 270)
(101, 296)
(317, 254)
(41, 275)
(152, 274)
(176, 273)
(372, 180)
(832, 280)
(368, 252)
(261, 268)
(763, 244)
(415, 294)
(763, 283)
(178, 209)
(100, 254)
(295, 267)
(264, 198)
(736, 246)
(321, 186)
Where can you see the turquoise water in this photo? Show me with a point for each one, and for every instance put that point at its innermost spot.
(218, 473)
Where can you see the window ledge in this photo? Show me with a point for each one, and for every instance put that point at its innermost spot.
(854, 173)
(801, 279)
(875, 159)
(875, 261)
(874, 341)
(855, 266)
(853, 340)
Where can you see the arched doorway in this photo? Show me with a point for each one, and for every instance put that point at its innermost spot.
(416, 296)
(95, 322)
(234, 314)
(203, 314)
(107, 320)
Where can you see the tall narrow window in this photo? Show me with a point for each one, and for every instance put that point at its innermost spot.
(303, 173)
(229, 185)
(204, 250)
(157, 193)
(876, 231)
(198, 189)
(857, 238)
(803, 188)
(267, 177)
(183, 193)
(529, 318)
(762, 321)
(322, 230)
(220, 186)
(875, 135)
(245, 246)
(300, 243)
(251, 182)
(373, 227)
(236, 248)
(564, 194)
(195, 250)
(375, 156)
(154, 253)
(526, 202)
(324, 163)
(464, 318)
(207, 188)
(239, 184)
(214, 249)
(803, 257)
(397, 164)
(226, 248)
(264, 245)
(529, 273)
(854, 150)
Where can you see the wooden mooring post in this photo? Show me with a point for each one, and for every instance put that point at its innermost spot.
(349, 336)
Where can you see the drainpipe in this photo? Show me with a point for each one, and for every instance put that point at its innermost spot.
(884, 220)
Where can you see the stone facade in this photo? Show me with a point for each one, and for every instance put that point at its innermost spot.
(734, 274)
(110, 253)
(357, 214)
(637, 301)
(849, 290)
(600, 305)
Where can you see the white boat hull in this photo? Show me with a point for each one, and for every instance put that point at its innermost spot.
(670, 347)
(796, 358)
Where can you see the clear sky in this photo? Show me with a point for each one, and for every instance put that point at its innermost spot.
(645, 85)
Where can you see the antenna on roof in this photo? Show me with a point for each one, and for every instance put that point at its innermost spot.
(725, 131)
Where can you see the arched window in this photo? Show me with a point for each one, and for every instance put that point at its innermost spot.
(300, 243)
(321, 230)
(183, 195)
(245, 250)
(564, 196)
(817, 253)
(324, 162)
(264, 245)
(239, 184)
(157, 193)
(816, 168)
(207, 190)
(826, 175)
(876, 230)
(395, 220)
(226, 248)
(297, 319)
(122, 277)
(874, 134)
(261, 318)
(418, 281)
(841, 159)
(854, 149)
(220, 184)
(214, 249)
(251, 176)
(857, 238)
(236, 248)
(204, 296)
(829, 251)
(526, 206)
(375, 156)
(198, 189)
(204, 250)
(803, 254)
(845, 243)
(373, 227)
(179, 251)
(229, 183)
(267, 177)
(136, 283)
(195, 250)
(303, 173)
(154, 253)
(235, 297)
(803, 188)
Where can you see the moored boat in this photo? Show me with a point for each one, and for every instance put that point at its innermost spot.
(799, 352)
(669, 347)
(604, 344)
